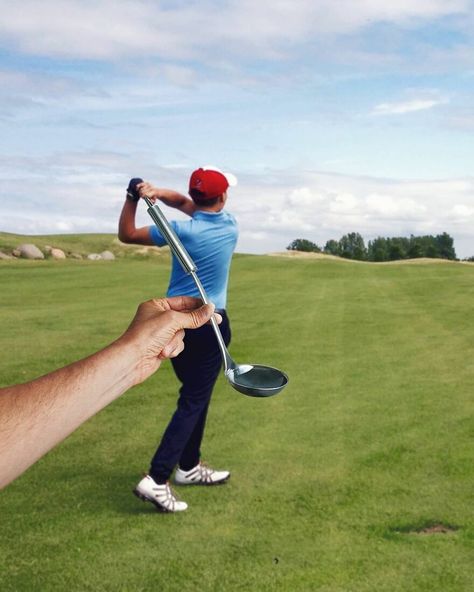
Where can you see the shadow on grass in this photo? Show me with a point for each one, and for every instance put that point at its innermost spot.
(422, 528)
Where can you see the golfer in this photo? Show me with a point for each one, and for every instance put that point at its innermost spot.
(210, 237)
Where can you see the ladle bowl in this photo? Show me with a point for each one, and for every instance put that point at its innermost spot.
(252, 380)
(258, 380)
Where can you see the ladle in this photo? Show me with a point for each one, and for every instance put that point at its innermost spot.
(254, 380)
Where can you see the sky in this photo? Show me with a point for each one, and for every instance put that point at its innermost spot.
(336, 117)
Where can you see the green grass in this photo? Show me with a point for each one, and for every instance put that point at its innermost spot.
(371, 439)
(83, 244)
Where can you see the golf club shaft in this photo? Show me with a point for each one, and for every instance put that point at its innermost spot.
(228, 362)
(170, 236)
(189, 267)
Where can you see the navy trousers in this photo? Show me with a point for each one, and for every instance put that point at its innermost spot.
(197, 367)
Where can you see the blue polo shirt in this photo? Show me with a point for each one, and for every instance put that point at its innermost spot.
(210, 239)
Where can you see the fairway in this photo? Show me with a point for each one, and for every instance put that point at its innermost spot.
(332, 480)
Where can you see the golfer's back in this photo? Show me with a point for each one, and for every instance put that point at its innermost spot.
(210, 239)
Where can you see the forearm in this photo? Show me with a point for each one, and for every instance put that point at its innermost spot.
(127, 231)
(127, 219)
(38, 415)
(171, 198)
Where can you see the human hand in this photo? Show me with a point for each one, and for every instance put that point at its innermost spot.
(157, 330)
(146, 189)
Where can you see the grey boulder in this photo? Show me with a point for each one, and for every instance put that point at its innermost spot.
(107, 255)
(57, 253)
(29, 251)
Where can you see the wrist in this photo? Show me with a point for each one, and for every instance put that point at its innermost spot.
(137, 366)
(131, 197)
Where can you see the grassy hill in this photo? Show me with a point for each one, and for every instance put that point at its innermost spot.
(96, 243)
(357, 477)
(79, 243)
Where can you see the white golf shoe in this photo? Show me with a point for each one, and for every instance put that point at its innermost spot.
(161, 496)
(201, 474)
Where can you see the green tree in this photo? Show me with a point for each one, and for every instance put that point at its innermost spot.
(445, 245)
(397, 248)
(432, 251)
(352, 246)
(332, 247)
(303, 244)
(378, 249)
(415, 249)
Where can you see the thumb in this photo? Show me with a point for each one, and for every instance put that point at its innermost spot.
(196, 318)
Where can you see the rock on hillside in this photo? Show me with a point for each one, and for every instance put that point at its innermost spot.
(54, 252)
(28, 251)
(107, 255)
(57, 254)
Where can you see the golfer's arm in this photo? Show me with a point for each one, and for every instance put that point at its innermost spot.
(176, 200)
(36, 416)
(127, 231)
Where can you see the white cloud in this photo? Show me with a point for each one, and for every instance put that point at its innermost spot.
(343, 203)
(272, 210)
(327, 206)
(463, 211)
(303, 196)
(392, 207)
(115, 29)
(406, 106)
(158, 102)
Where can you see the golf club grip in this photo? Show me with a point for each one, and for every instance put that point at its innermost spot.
(171, 238)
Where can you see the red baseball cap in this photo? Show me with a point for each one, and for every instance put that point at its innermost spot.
(211, 182)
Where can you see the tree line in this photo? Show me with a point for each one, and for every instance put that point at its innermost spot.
(352, 246)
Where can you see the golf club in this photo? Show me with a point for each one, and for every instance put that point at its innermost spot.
(254, 380)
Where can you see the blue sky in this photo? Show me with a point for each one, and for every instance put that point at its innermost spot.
(335, 116)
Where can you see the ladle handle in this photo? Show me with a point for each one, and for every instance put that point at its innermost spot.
(170, 236)
(189, 267)
(229, 363)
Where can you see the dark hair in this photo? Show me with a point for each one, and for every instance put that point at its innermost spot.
(199, 199)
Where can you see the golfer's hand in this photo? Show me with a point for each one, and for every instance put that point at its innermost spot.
(146, 189)
(157, 329)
